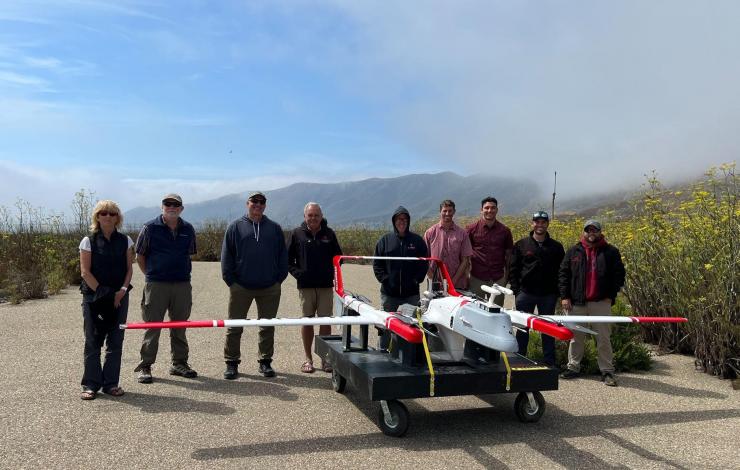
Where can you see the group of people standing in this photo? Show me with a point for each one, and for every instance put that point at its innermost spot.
(586, 278)
(255, 260)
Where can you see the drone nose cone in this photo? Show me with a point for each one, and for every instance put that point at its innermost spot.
(507, 344)
(490, 329)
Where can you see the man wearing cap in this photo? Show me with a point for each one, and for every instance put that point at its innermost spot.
(451, 244)
(492, 244)
(535, 262)
(399, 280)
(590, 277)
(254, 262)
(163, 250)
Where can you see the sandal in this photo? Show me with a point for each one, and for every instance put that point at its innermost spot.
(307, 367)
(326, 367)
(114, 392)
(88, 395)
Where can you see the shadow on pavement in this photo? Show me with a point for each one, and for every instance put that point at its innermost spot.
(473, 430)
(655, 386)
(149, 403)
(241, 388)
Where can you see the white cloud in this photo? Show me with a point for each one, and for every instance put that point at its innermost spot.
(601, 92)
(14, 79)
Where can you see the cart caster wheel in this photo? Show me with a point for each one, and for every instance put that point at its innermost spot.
(393, 418)
(338, 382)
(526, 411)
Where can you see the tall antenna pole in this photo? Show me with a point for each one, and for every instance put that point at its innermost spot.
(554, 187)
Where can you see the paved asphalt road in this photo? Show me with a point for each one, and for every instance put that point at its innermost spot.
(671, 417)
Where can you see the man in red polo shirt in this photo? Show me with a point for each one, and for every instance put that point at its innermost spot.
(492, 244)
(451, 244)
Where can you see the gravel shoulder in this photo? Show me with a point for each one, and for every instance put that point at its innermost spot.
(670, 417)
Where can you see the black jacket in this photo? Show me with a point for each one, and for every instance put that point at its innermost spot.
(609, 269)
(534, 267)
(310, 257)
(108, 262)
(400, 278)
(254, 255)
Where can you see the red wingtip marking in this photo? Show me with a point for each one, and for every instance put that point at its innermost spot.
(556, 331)
(659, 319)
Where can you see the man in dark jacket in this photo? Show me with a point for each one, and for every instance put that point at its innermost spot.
(591, 275)
(534, 278)
(163, 250)
(254, 262)
(311, 251)
(400, 279)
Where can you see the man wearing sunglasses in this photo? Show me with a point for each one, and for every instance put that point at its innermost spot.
(163, 251)
(254, 262)
(590, 277)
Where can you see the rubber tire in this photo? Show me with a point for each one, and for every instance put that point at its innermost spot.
(338, 383)
(523, 410)
(400, 415)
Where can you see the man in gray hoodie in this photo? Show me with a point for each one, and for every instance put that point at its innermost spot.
(254, 262)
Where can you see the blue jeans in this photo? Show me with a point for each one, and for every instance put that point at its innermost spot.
(545, 306)
(106, 376)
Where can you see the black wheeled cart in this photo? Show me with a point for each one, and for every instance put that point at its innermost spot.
(401, 372)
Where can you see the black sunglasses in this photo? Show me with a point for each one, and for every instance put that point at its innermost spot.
(258, 200)
(171, 204)
(106, 213)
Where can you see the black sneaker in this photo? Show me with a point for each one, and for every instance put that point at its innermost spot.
(183, 370)
(608, 379)
(266, 369)
(569, 374)
(232, 371)
(145, 375)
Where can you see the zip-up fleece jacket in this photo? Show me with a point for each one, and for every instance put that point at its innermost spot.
(310, 256)
(534, 267)
(609, 273)
(253, 254)
(400, 278)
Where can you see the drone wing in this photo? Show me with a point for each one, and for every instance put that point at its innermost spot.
(306, 321)
(562, 326)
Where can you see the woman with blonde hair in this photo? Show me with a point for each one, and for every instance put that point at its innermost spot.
(106, 256)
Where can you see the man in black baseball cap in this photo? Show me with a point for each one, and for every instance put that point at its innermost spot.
(533, 275)
(591, 275)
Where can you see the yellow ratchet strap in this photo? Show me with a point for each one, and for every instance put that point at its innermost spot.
(508, 370)
(426, 353)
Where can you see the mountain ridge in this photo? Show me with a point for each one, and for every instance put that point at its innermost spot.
(368, 202)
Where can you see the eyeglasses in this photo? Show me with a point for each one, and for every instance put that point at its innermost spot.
(106, 213)
(258, 201)
(171, 204)
(592, 230)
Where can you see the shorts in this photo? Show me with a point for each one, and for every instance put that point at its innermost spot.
(316, 301)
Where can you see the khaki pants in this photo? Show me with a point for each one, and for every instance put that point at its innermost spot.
(603, 342)
(159, 298)
(240, 299)
(475, 288)
(317, 301)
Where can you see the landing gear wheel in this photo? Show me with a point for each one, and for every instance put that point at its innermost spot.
(337, 381)
(393, 418)
(529, 411)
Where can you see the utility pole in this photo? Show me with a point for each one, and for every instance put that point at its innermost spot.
(554, 187)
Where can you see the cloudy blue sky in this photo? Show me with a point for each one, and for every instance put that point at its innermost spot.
(132, 99)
